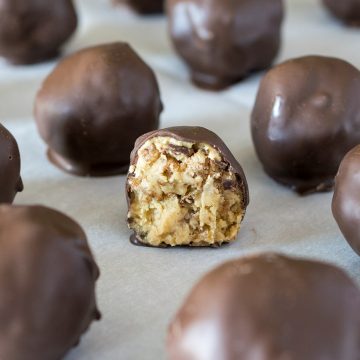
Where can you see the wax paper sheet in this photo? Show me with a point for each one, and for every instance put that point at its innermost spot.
(140, 288)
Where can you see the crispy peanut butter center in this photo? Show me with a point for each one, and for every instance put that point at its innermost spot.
(183, 193)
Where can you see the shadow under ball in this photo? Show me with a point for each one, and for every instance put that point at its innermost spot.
(33, 31)
(144, 7)
(94, 105)
(222, 42)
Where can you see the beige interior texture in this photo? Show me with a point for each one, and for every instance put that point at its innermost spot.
(183, 193)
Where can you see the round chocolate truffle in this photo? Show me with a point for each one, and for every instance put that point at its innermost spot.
(269, 307)
(32, 31)
(346, 200)
(144, 7)
(184, 187)
(306, 118)
(94, 105)
(346, 10)
(223, 41)
(47, 283)
(10, 179)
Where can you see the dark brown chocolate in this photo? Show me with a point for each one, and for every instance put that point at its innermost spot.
(347, 11)
(94, 105)
(144, 7)
(268, 307)
(33, 31)
(224, 41)
(194, 136)
(10, 180)
(346, 200)
(305, 119)
(47, 283)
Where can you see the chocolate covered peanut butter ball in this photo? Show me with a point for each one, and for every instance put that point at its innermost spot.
(10, 179)
(47, 283)
(305, 119)
(33, 31)
(346, 200)
(94, 105)
(347, 11)
(268, 307)
(184, 187)
(223, 41)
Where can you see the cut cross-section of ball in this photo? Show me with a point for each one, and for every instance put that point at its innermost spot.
(184, 187)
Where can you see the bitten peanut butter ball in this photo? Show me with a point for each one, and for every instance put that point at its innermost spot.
(346, 200)
(269, 307)
(347, 11)
(33, 31)
(144, 7)
(10, 179)
(94, 105)
(184, 187)
(306, 118)
(224, 41)
(47, 283)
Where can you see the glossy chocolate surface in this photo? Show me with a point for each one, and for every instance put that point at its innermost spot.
(94, 105)
(10, 180)
(305, 119)
(223, 41)
(47, 283)
(346, 10)
(268, 307)
(33, 31)
(196, 135)
(346, 200)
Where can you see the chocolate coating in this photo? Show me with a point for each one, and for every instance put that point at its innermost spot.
(47, 283)
(33, 31)
(223, 41)
(268, 307)
(346, 10)
(94, 105)
(195, 136)
(346, 199)
(10, 180)
(144, 7)
(306, 118)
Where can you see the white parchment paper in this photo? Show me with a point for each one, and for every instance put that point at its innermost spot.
(140, 288)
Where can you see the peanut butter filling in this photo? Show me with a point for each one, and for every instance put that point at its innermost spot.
(183, 193)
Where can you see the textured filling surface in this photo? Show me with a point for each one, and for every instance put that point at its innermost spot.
(183, 193)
